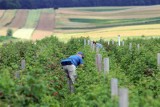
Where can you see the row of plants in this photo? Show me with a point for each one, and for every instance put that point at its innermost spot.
(135, 69)
(43, 82)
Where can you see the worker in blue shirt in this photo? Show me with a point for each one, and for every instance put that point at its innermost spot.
(98, 44)
(71, 63)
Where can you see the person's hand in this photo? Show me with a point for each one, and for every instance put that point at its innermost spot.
(81, 65)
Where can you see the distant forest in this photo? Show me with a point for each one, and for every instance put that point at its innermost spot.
(33, 4)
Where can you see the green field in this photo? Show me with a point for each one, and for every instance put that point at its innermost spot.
(5, 38)
(103, 9)
(33, 18)
(106, 23)
(43, 82)
(95, 22)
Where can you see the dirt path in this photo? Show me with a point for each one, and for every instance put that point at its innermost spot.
(20, 19)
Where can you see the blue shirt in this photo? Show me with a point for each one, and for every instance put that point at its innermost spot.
(99, 45)
(76, 60)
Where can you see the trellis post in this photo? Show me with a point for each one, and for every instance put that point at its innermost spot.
(84, 41)
(23, 64)
(158, 60)
(106, 66)
(122, 43)
(119, 40)
(114, 87)
(138, 47)
(99, 62)
(130, 46)
(123, 97)
(108, 42)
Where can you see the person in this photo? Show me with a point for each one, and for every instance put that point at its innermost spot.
(71, 63)
(98, 44)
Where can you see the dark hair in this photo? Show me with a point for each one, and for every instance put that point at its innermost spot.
(94, 42)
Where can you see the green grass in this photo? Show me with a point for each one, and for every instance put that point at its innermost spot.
(5, 38)
(100, 23)
(33, 18)
(102, 9)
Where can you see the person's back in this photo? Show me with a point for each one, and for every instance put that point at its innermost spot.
(99, 45)
(76, 60)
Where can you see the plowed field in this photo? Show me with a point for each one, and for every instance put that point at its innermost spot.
(46, 22)
(20, 19)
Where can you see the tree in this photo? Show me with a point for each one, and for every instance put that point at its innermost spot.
(9, 32)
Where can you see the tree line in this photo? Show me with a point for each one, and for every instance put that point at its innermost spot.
(33, 4)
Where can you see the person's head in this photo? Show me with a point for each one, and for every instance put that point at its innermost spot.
(81, 54)
(94, 42)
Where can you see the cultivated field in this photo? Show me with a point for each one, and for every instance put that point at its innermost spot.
(19, 19)
(95, 22)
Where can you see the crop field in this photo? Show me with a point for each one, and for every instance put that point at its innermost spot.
(33, 18)
(23, 33)
(1, 13)
(19, 19)
(93, 22)
(39, 34)
(7, 18)
(42, 82)
(31, 74)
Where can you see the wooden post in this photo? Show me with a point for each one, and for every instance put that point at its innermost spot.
(23, 64)
(114, 87)
(108, 42)
(91, 44)
(99, 62)
(119, 40)
(122, 43)
(138, 47)
(84, 41)
(106, 66)
(97, 49)
(93, 47)
(123, 97)
(112, 42)
(130, 46)
(88, 42)
(158, 60)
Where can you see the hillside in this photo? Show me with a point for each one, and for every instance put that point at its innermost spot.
(95, 22)
(31, 74)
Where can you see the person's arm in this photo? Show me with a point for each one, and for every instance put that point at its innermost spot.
(81, 63)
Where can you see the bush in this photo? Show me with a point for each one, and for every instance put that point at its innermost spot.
(9, 32)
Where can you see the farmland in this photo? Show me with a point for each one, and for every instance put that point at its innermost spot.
(42, 82)
(93, 22)
(31, 74)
